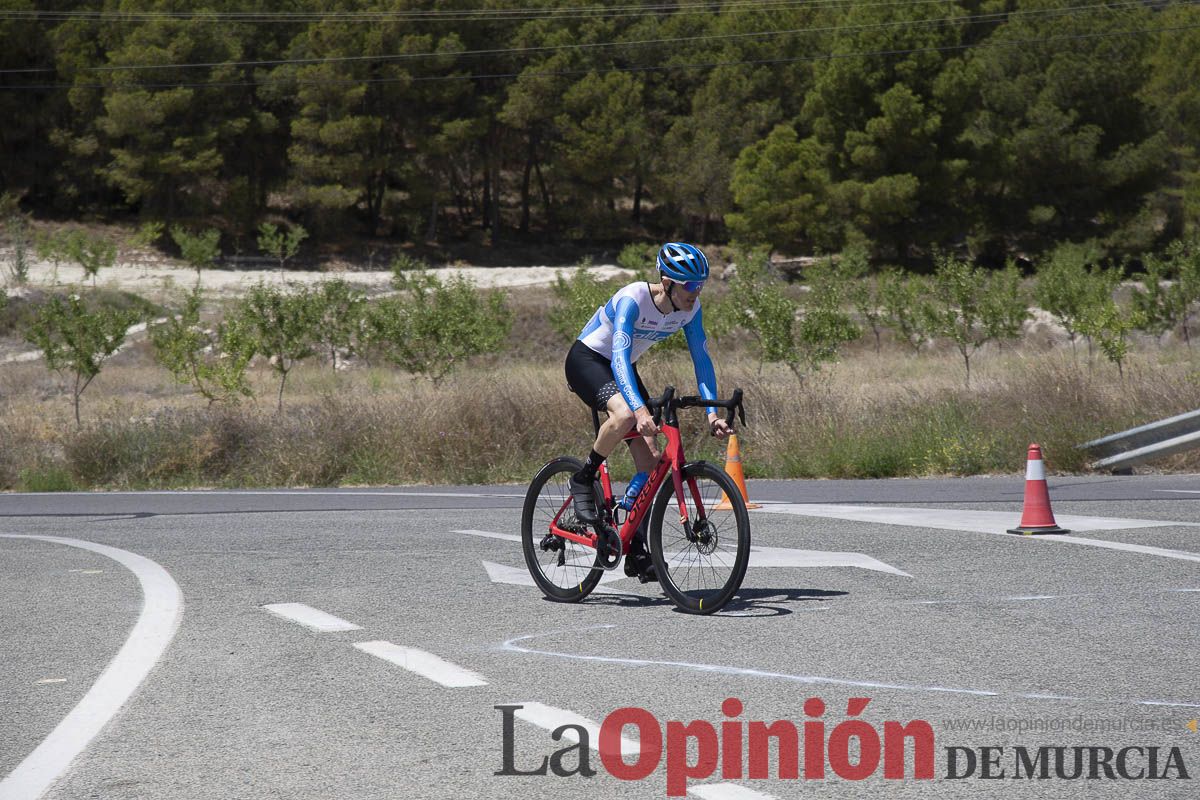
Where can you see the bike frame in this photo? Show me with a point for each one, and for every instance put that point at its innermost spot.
(671, 461)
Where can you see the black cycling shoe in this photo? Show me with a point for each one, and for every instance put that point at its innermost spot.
(638, 563)
(583, 492)
(640, 566)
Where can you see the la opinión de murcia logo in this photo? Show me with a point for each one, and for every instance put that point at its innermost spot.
(853, 749)
(739, 748)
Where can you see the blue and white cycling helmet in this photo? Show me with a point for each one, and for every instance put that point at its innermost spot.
(683, 263)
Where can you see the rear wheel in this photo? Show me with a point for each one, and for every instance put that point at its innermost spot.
(564, 570)
(700, 564)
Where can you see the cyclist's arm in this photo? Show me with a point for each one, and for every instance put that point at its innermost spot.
(706, 376)
(622, 346)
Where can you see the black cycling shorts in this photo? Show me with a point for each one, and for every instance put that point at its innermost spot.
(590, 376)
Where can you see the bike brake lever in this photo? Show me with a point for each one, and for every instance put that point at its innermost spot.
(735, 407)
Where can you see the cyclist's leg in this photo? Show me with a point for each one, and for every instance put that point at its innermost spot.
(589, 375)
(644, 450)
(645, 453)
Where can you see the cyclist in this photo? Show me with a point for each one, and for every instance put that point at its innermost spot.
(601, 369)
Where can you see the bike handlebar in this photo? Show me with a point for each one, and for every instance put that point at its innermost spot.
(669, 402)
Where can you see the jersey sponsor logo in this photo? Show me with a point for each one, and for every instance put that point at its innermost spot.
(621, 341)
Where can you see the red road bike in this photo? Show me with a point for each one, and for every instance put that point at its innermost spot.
(700, 555)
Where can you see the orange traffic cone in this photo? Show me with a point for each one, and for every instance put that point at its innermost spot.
(733, 466)
(1037, 516)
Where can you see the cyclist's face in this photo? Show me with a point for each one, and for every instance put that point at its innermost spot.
(685, 294)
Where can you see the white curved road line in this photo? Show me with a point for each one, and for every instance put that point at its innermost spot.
(514, 646)
(162, 608)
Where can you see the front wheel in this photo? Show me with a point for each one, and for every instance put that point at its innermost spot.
(700, 564)
(564, 570)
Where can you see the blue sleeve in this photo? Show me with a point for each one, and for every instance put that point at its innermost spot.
(622, 346)
(706, 376)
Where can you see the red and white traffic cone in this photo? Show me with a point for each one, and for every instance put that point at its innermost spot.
(1036, 517)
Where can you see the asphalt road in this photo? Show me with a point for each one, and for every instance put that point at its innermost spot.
(914, 598)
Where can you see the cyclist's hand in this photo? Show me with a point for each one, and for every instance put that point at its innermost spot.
(719, 427)
(644, 421)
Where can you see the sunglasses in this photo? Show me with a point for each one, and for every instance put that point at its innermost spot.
(692, 286)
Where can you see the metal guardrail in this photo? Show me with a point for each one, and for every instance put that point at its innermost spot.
(1146, 442)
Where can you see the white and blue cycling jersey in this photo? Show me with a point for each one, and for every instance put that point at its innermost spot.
(629, 323)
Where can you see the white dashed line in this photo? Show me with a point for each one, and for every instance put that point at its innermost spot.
(312, 618)
(551, 719)
(427, 665)
(508, 537)
(162, 608)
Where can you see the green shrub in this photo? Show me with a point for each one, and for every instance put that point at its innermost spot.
(75, 339)
(576, 298)
(433, 327)
(282, 245)
(46, 479)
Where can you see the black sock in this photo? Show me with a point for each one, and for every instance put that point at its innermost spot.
(594, 460)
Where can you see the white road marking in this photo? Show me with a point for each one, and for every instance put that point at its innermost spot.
(312, 618)
(958, 519)
(787, 557)
(508, 537)
(519, 576)
(427, 665)
(1179, 491)
(512, 646)
(48, 681)
(727, 791)
(551, 718)
(1025, 598)
(162, 608)
(1182, 555)
(996, 522)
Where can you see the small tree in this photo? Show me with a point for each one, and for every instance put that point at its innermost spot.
(279, 244)
(147, 235)
(76, 340)
(436, 326)
(577, 298)
(201, 250)
(825, 325)
(1170, 289)
(17, 227)
(1070, 286)
(1109, 324)
(864, 294)
(639, 258)
(904, 298)
(53, 247)
(961, 307)
(212, 361)
(762, 308)
(342, 312)
(1005, 306)
(282, 326)
(91, 252)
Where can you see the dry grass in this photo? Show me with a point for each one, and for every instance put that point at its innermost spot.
(870, 416)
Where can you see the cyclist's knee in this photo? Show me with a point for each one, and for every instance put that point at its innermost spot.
(620, 416)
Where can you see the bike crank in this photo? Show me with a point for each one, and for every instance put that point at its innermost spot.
(608, 545)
